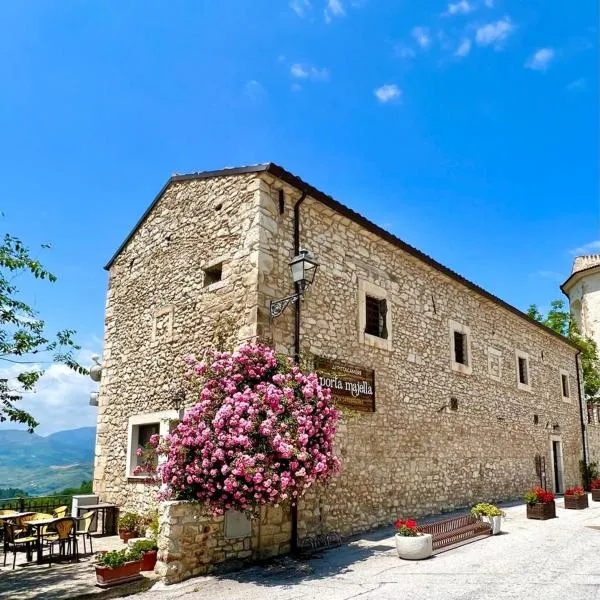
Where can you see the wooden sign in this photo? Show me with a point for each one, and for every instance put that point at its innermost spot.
(350, 385)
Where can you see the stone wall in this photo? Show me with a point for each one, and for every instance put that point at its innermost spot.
(410, 457)
(413, 455)
(192, 541)
(159, 309)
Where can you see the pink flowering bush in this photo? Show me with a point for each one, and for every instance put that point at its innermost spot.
(261, 432)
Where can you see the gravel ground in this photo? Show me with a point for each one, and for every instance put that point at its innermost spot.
(530, 560)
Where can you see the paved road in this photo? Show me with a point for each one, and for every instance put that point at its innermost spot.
(546, 560)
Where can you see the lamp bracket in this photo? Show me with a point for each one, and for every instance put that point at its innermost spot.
(276, 307)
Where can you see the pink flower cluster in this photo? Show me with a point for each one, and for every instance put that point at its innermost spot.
(261, 432)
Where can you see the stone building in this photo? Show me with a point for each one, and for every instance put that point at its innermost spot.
(582, 287)
(471, 400)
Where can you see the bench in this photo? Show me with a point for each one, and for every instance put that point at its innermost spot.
(455, 531)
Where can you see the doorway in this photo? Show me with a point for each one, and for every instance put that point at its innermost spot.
(557, 466)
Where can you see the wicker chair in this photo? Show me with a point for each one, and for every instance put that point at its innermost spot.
(86, 520)
(64, 537)
(14, 543)
(60, 512)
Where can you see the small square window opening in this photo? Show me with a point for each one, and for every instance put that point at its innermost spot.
(213, 274)
(376, 317)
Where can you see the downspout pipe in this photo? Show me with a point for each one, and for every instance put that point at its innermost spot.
(297, 304)
(581, 409)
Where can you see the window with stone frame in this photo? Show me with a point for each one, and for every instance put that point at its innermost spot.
(523, 370)
(460, 348)
(565, 387)
(590, 413)
(140, 429)
(376, 317)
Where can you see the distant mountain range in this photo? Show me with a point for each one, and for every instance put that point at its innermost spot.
(42, 465)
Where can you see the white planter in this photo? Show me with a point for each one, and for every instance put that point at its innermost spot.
(494, 522)
(414, 548)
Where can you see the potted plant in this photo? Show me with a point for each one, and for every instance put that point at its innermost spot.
(129, 525)
(148, 550)
(410, 542)
(489, 513)
(540, 504)
(576, 498)
(117, 566)
(595, 487)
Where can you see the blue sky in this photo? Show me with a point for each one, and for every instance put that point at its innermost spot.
(468, 128)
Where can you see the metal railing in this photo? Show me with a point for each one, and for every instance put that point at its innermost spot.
(45, 504)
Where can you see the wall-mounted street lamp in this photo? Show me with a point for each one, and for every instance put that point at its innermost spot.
(303, 268)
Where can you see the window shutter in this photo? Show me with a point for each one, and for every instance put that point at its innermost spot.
(383, 318)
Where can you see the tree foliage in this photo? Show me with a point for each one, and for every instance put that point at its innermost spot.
(560, 319)
(23, 340)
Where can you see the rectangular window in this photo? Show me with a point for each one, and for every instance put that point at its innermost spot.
(590, 413)
(460, 348)
(140, 429)
(376, 317)
(565, 385)
(213, 274)
(523, 368)
(523, 375)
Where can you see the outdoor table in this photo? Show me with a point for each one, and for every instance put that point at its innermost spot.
(102, 507)
(37, 525)
(16, 516)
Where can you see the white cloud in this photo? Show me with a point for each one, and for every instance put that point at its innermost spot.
(489, 3)
(255, 91)
(552, 275)
(61, 397)
(577, 84)
(464, 48)
(590, 248)
(404, 51)
(300, 71)
(334, 8)
(462, 7)
(300, 7)
(494, 34)
(387, 92)
(421, 35)
(540, 59)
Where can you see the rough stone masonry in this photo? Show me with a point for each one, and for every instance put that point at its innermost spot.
(451, 426)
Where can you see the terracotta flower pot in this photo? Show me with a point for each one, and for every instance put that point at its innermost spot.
(576, 502)
(415, 547)
(149, 560)
(127, 535)
(541, 511)
(108, 576)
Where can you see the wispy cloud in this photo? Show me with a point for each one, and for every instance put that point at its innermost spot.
(254, 91)
(334, 8)
(404, 51)
(494, 34)
(540, 60)
(300, 7)
(589, 248)
(463, 49)
(422, 37)
(387, 92)
(308, 72)
(489, 3)
(462, 7)
(576, 85)
(552, 275)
